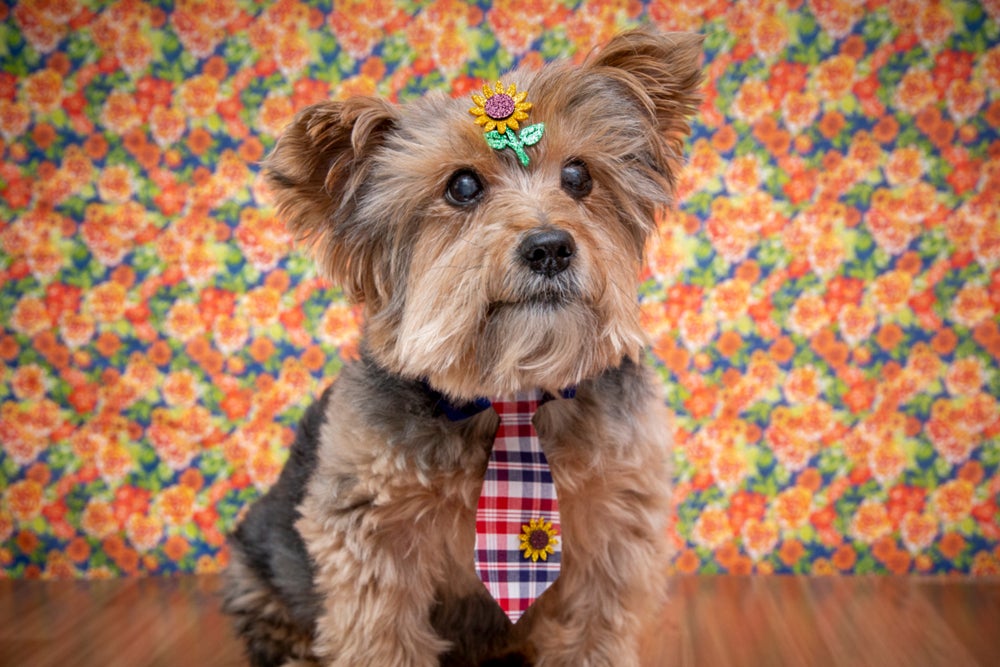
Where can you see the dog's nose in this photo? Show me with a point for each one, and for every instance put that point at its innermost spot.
(548, 251)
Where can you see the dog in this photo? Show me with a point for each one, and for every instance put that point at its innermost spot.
(490, 259)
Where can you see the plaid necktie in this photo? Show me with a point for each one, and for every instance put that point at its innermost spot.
(518, 546)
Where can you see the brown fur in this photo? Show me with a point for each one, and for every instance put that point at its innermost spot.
(385, 488)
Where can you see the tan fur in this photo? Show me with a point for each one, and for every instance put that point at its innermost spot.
(388, 514)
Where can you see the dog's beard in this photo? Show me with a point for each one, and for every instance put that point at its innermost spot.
(547, 334)
(541, 343)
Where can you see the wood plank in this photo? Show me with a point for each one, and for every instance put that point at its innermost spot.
(709, 621)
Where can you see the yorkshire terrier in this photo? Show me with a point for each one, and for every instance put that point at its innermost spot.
(495, 252)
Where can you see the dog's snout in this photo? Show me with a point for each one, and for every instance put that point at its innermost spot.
(548, 251)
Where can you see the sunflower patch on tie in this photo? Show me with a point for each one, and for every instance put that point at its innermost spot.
(518, 548)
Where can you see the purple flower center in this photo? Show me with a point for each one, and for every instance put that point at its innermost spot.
(499, 106)
(538, 539)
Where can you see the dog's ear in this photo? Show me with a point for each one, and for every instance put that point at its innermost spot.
(317, 173)
(661, 73)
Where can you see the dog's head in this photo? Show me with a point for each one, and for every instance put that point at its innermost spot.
(480, 273)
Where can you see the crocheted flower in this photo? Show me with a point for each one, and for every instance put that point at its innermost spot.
(538, 539)
(500, 111)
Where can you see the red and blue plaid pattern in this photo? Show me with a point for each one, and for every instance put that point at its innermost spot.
(517, 489)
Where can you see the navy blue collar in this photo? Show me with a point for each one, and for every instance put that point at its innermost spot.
(457, 412)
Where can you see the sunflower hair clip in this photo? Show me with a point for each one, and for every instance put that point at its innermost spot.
(500, 111)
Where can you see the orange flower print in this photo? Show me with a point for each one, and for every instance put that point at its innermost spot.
(972, 306)
(887, 461)
(44, 24)
(199, 262)
(808, 315)
(891, 291)
(697, 329)
(30, 317)
(134, 50)
(752, 101)
(175, 439)
(14, 118)
(952, 442)
(905, 165)
(834, 77)
(731, 298)
(24, 500)
(167, 125)
(198, 95)
(30, 382)
(518, 24)
(183, 321)
(733, 242)
(230, 333)
(979, 412)
(759, 538)
(711, 529)
(802, 385)
(76, 329)
(769, 35)
(743, 175)
(114, 462)
(791, 449)
(43, 91)
(799, 110)
(199, 36)
(986, 245)
(915, 91)
(965, 376)
(262, 306)
(792, 507)
(293, 52)
(918, 531)
(837, 17)
(144, 532)
(934, 24)
(891, 230)
(263, 239)
(952, 501)
(704, 162)
(107, 302)
(116, 184)
(6, 525)
(985, 564)
(181, 388)
(98, 519)
(870, 522)
(176, 505)
(274, 114)
(121, 113)
(264, 468)
(339, 325)
(856, 323)
(729, 467)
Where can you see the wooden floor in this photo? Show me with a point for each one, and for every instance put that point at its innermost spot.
(712, 621)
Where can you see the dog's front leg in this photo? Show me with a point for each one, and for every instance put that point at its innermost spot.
(614, 570)
(376, 583)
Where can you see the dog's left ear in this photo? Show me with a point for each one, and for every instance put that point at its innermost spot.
(317, 173)
(661, 72)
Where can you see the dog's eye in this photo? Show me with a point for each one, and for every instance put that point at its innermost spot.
(576, 179)
(464, 188)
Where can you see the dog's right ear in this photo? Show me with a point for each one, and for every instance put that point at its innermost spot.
(317, 173)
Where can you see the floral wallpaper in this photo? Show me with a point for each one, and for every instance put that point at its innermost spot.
(822, 305)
